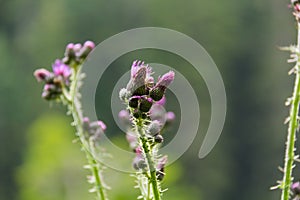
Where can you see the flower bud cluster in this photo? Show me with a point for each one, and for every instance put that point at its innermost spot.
(145, 102)
(55, 80)
(141, 91)
(77, 52)
(93, 129)
(60, 77)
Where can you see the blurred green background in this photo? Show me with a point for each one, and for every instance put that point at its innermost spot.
(38, 159)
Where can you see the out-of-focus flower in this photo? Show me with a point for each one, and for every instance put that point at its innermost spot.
(124, 117)
(160, 173)
(170, 116)
(139, 162)
(94, 129)
(42, 74)
(296, 188)
(132, 140)
(154, 127)
(61, 69)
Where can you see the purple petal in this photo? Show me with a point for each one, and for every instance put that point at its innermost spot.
(61, 69)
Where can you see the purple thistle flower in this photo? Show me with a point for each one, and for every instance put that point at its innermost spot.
(158, 91)
(166, 79)
(61, 69)
(140, 78)
(135, 67)
(146, 73)
(41, 74)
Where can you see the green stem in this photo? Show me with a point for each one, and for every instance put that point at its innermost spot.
(292, 129)
(75, 109)
(149, 159)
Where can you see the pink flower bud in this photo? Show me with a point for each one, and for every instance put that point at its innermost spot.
(41, 74)
(70, 46)
(77, 47)
(89, 44)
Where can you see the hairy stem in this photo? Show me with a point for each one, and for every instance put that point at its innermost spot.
(292, 129)
(76, 111)
(150, 160)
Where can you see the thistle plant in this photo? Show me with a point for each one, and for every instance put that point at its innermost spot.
(62, 86)
(290, 189)
(144, 102)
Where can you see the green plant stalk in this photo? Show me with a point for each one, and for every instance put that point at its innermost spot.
(292, 129)
(75, 109)
(151, 164)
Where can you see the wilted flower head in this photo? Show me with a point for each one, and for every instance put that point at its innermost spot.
(93, 129)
